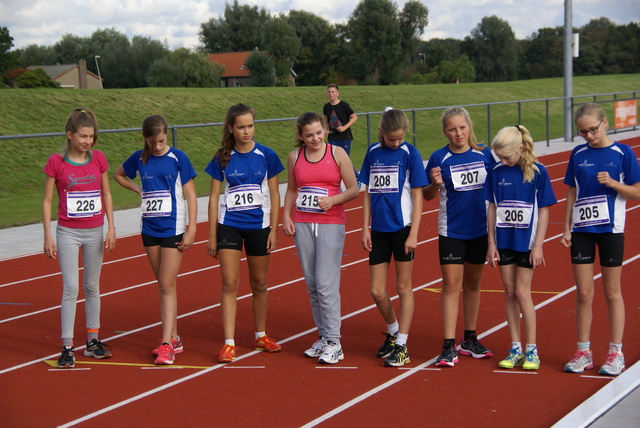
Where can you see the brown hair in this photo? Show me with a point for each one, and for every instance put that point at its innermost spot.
(80, 118)
(228, 141)
(392, 120)
(307, 119)
(152, 126)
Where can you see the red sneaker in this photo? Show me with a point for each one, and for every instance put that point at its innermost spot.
(227, 354)
(165, 354)
(265, 343)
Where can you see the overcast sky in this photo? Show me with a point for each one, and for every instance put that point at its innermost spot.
(43, 22)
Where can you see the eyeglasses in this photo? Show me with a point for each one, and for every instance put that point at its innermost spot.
(591, 130)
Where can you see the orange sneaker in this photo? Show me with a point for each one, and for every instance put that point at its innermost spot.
(265, 343)
(228, 354)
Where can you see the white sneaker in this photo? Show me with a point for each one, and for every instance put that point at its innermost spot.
(331, 354)
(614, 364)
(316, 349)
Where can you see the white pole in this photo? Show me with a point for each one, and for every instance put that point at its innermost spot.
(98, 67)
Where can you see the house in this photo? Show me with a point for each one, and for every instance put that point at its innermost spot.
(236, 73)
(72, 76)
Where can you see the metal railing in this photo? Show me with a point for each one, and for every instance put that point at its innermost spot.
(575, 100)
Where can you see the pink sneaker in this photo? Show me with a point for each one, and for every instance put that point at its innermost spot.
(165, 354)
(176, 342)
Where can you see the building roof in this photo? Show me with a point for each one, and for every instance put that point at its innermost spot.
(233, 63)
(56, 71)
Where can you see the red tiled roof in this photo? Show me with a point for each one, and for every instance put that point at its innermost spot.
(233, 63)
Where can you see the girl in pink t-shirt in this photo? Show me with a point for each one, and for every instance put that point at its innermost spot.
(79, 174)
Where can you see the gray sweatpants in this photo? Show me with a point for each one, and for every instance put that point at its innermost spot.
(320, 252)
(69, 241)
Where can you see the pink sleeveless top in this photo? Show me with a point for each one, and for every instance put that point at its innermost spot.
(317, 179)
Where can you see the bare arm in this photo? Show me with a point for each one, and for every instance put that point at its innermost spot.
(366, 221)
(288, 226)
(568, 211)
(214, 198)
(50, 249)
(431, 191)
(352, 119)
(110, 241)
(416, 214)
(189, 189)
(122, 179)
(274, 193)
(492, 249)
(536, 258)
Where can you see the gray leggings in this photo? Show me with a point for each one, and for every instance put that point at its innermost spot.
(320, 252)
(69, 241)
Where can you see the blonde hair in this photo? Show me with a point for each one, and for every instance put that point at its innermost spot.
(590, 109)
(392, 120)
(510, 139)
(80, 118)
(461, 111)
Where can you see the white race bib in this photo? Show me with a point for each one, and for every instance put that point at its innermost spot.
(514, 214)
(590, 211)
(468, 176)
(156, 204)
(243, 197)
(307, 200)
(383, 179)
(84, 204)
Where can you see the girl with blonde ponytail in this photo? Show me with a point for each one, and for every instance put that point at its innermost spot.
(519, 193)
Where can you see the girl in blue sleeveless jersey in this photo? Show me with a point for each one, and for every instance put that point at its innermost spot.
(165, 175)
(519, 194)
(458, 172)
(601, 175)
(393, 174)
(246, 212)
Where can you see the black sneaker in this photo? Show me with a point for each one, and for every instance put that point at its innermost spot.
(387, 347)
(398, 357)
(67, 360)
(97, 349)
(448, 357)
(474, 348)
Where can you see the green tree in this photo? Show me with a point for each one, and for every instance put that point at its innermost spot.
(376, 42)
(318, 38)
(413, 18)
(8, 59)
(114, 49)
(238, 31)
(37, 55)
(283, 44)
(164, 73)
(493, 50)
(37, 78)
(262, 69)
(543, 54)
(143, 52)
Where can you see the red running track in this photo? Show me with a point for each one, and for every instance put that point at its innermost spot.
(287, 389)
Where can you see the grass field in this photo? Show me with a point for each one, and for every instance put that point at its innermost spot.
(29, 111)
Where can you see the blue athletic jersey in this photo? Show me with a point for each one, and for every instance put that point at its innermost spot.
(517, 204)
(164, 210)
(598, 208)
(390, 175)
(463, 209)
(246, 202)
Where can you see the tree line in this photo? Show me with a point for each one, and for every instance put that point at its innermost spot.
(379, 44)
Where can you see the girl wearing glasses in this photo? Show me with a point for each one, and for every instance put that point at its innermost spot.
(601, 175)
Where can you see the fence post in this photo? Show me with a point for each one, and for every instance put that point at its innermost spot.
(415, 127)
(174, 136)
(546, 106)
(488, 124)
(519, 113)
(368, 129)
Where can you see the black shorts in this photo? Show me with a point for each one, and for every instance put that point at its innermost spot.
(255, 241)
(460, 251)
(520, 258)
(610, 248)
(170, 242)
(384, 244)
